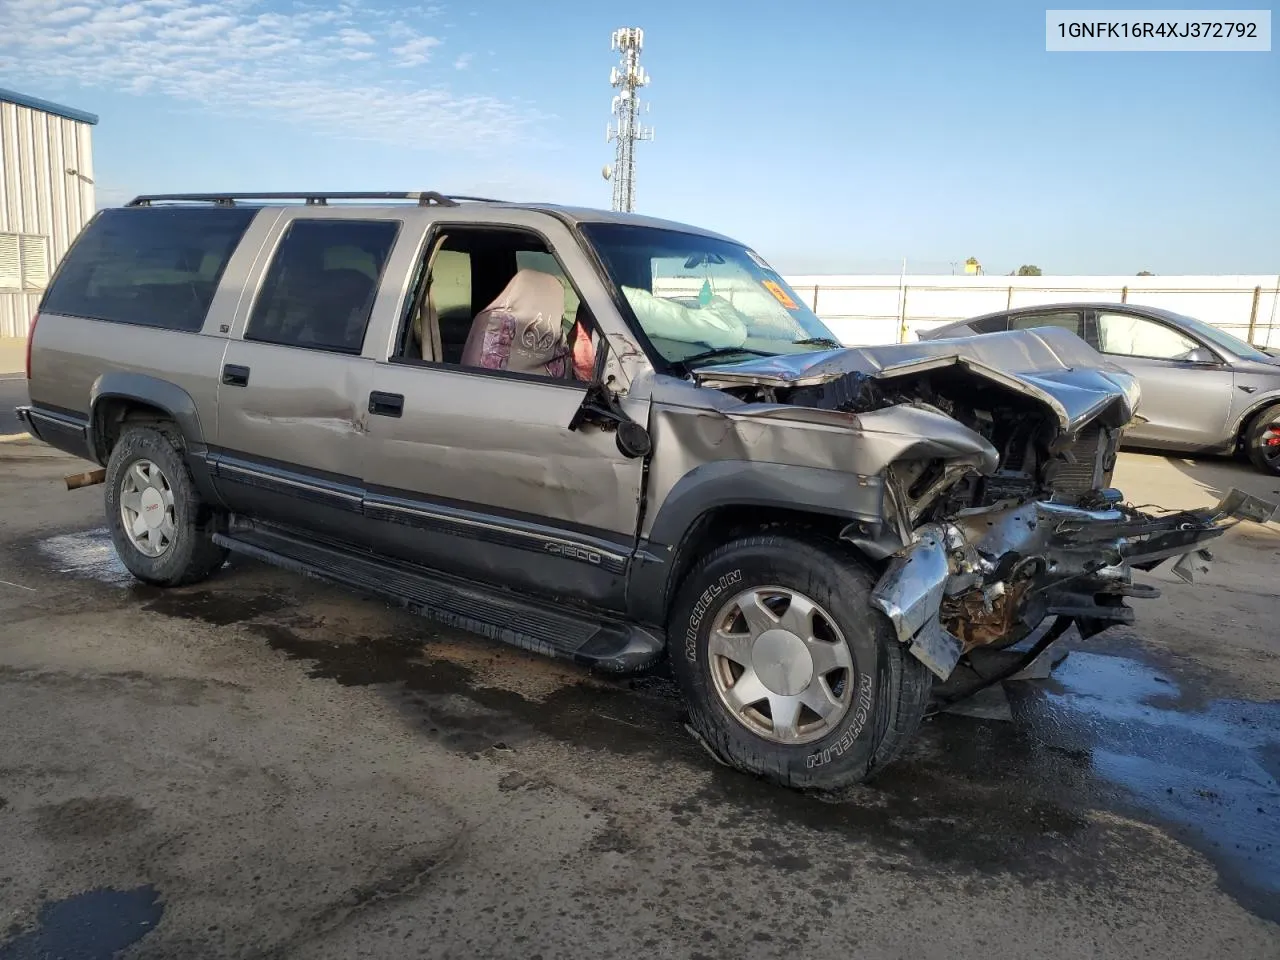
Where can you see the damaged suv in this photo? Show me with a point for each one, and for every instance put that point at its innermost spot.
(596, 436)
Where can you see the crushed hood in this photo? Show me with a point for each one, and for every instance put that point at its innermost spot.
(1048, 364)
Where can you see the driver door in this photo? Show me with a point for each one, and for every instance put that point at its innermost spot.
(474, 471)
(1185, 402)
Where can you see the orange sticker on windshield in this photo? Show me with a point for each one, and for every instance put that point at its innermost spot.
(780, 295)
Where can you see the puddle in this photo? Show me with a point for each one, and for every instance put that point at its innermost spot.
(88, 926)
(89, 554)
(1211, 774)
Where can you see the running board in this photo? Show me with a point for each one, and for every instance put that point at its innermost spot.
(610, 646)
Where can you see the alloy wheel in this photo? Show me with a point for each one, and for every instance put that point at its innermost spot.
(1269, 446)
(146, 508)
(780, 665)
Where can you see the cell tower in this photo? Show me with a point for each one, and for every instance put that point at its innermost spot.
(628, 77)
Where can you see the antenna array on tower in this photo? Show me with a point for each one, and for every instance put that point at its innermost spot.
(627, 77)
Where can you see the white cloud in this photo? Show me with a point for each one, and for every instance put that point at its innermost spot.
(355, 38)
(327, 66)
(416, 52)
(67, 14)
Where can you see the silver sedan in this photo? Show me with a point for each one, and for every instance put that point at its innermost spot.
(1203, 390)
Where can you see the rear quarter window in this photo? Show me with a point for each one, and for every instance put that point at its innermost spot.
(151, 266)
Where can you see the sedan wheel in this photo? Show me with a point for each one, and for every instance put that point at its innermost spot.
(1263, 441)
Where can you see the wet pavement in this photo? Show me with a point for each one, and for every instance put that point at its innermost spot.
(506, 805)
(13, 393)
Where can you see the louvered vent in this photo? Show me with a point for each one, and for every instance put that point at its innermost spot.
(10, 262)
(34, 254)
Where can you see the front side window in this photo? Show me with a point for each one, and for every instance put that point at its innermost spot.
(1221, 338)
(498, 299)
(1129, 336)
(702, 299)
(155, 266)
(320, 287)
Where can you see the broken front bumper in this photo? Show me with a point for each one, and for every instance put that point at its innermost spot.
(991, 577)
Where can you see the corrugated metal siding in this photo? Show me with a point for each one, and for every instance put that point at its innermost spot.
(37, 195)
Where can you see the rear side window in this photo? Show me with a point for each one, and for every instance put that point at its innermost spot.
(320, 287)
(158, 267)
(1067, 320)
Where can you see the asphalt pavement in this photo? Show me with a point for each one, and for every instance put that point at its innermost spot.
(13, 393)
(266, 766)
(13, 383)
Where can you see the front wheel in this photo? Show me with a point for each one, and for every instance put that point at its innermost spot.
(1263, 441)
(788, 670)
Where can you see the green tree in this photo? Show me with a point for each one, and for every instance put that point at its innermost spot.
(1029, 270)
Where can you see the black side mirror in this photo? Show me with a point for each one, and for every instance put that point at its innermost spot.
(600, 407)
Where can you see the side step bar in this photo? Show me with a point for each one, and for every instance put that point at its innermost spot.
(610, 646)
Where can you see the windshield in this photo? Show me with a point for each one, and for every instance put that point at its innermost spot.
(703, 300)
(1219, 337)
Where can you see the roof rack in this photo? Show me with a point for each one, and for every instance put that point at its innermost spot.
(425, 198)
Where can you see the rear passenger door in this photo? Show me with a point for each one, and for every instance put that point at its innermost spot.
(293, 389)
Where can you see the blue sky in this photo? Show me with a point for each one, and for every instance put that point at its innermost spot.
(833, 137)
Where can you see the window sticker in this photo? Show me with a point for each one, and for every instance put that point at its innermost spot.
(780, 295)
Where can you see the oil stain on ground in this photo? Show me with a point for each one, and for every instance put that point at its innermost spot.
(83, 818)
(96, 925)
(444, 699)
(217, 607)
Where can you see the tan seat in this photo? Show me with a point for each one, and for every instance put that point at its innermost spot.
(521, 330)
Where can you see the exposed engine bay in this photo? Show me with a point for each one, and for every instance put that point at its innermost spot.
(1035, 458)
(1003, 516)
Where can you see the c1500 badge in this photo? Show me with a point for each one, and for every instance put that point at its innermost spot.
(571, 552)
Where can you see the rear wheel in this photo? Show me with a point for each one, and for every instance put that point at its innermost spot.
(1262, 442)
(788, 671)
(158, 522)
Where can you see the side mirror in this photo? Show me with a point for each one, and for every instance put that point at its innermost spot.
(600, 407)
(1201, 355)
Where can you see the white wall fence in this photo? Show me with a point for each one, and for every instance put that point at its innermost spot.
(888, 309)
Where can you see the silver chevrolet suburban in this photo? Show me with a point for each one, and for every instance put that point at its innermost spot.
(597, 436)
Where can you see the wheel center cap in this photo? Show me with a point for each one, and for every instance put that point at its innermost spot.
(152, 507)
(782, 662)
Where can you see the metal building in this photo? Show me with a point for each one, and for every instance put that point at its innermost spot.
(46, 197)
